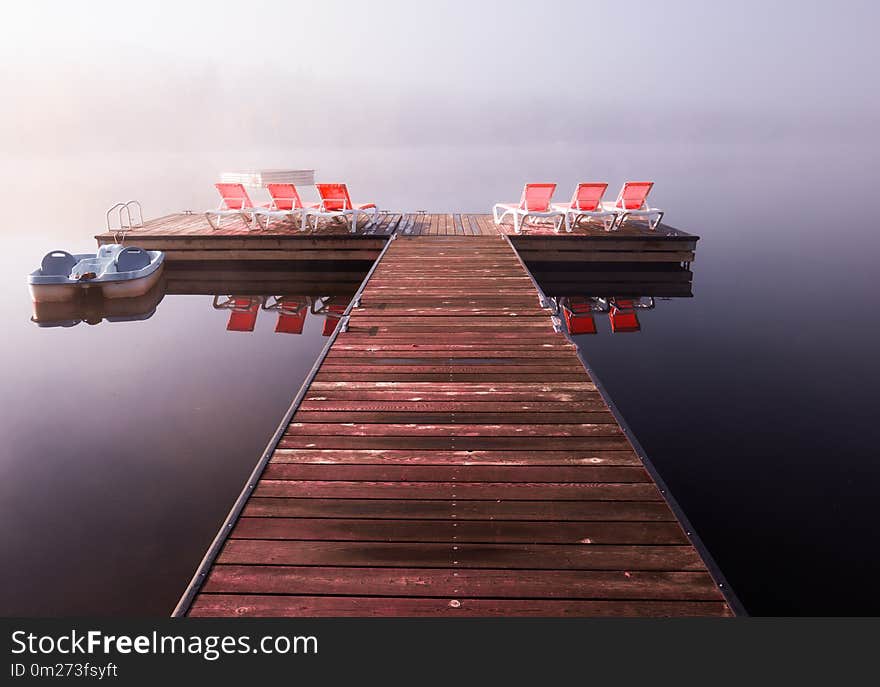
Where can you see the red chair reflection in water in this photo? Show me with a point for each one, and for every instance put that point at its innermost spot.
(623, 315)
(292, 313)
(243, 311)
(578, 314)
(332, 313)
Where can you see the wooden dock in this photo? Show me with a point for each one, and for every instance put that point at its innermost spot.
(453, 457)
(189, 237)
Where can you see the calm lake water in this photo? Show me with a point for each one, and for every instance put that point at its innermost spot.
(125, 443)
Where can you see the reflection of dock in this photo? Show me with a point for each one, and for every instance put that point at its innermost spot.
(277, 278)
(660, 280)
(451, 456)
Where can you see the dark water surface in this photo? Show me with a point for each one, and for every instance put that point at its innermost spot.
(124, 443)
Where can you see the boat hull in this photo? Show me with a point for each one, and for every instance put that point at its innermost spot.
(91, 307)
(129, 288)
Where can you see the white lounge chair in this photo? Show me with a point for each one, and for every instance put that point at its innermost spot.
(632, 202)
(587, 202)
(234, 202)
(535, 202)
(335, 202)
(286, 204)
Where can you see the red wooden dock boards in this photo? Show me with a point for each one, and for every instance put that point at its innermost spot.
(452, 457)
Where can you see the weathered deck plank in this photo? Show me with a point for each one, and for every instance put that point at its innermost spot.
(277, 605)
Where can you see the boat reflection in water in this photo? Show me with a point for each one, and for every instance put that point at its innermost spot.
(90, 307)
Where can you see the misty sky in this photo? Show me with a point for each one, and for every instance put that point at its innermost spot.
(179, 75)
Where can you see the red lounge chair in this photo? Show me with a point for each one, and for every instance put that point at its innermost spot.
(335, 202)
(535, 202)
(333, 313)
(292, 312)
(578, 314)
(632, 202)
(286, 204)
(587, 202)
(234, 201)
(623, 316)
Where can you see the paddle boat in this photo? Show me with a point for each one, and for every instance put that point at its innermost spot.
(116, 271)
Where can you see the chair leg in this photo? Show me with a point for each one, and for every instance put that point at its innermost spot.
(354, 221)
(656, 222)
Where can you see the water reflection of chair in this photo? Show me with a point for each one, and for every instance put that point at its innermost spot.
(623, 315)
(243, 311)
(578, 314)
(332, 313)
(292, 312)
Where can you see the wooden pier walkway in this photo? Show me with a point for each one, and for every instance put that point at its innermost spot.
(453, 457)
